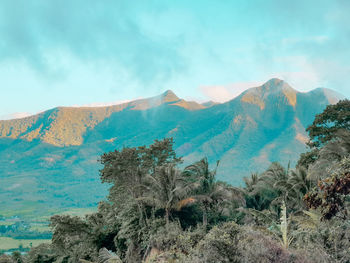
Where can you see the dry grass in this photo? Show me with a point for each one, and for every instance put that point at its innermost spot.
(9, 243)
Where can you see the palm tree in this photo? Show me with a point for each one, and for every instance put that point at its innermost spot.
(207, 191)
(290, 185)
(272, 186)
(165, 188)
(250, 182)
(275, 177)
(300, 184)
(255, 192)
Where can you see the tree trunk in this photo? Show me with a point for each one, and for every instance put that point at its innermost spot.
(205, 217)
(167, 214)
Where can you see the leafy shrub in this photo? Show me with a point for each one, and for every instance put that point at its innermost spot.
(233, 243)
(6, 259)
(172, 237)
(41, 254)
(219, 245)
(257, 246)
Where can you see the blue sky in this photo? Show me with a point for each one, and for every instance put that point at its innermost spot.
(64, 52)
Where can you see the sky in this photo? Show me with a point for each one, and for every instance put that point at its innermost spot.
(84, 52)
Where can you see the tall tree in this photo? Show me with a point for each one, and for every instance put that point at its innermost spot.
(256, 197)
(127, 169)
(207, 190)
(165, 188)
(299, 184)
(325, 126)
(274, 184)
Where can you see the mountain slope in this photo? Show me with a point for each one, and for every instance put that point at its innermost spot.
(64, 126)
(50, 159)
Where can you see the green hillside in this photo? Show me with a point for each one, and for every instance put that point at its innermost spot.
(50, 160)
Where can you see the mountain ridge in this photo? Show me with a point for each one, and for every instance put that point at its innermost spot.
(170, 96)
(48, 158)
(79, 119)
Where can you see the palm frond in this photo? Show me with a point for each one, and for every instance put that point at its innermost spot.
(106, 256)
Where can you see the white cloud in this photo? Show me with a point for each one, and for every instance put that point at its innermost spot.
(16, 115)
(318, 39)
(222, 93)
(101, 104)
(299, 72)
(301, 80)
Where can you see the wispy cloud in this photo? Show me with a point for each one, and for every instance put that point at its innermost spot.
(76, 52)
(16, 115)
(101, 104)
(306, 39)
(223, 93)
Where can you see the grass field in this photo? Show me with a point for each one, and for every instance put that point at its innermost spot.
(40, 227)
(6, 223)
(37, 221)
(81, 212)
(29, 213)
(43, 215)
(9, 243)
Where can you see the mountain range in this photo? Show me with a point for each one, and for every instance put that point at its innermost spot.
(51, 159)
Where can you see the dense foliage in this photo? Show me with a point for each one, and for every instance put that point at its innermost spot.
(325, 128)
(157, 212)
(327, 123)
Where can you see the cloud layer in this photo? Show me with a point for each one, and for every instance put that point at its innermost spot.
(78, 52)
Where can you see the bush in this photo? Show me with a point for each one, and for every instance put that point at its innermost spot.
(41, 254)
(233, 243)
(166, 237)
(257, 246)
(172, 244)
(6, 259)
(219, 245)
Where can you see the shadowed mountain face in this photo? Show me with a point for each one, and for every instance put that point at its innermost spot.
(50, 159)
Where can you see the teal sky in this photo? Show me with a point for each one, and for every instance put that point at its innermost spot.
(64, 52)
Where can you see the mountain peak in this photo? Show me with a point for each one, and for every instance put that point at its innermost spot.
(275, 84)
(273, 87)
(274, 81)
(169, 96)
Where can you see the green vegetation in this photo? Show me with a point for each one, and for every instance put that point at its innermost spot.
(327, 126)
(328, 123)
(38, 175)
(157, 212)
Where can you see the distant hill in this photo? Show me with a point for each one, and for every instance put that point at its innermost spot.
(50, 159)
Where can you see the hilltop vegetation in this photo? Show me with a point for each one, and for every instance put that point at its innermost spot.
(157, 212)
